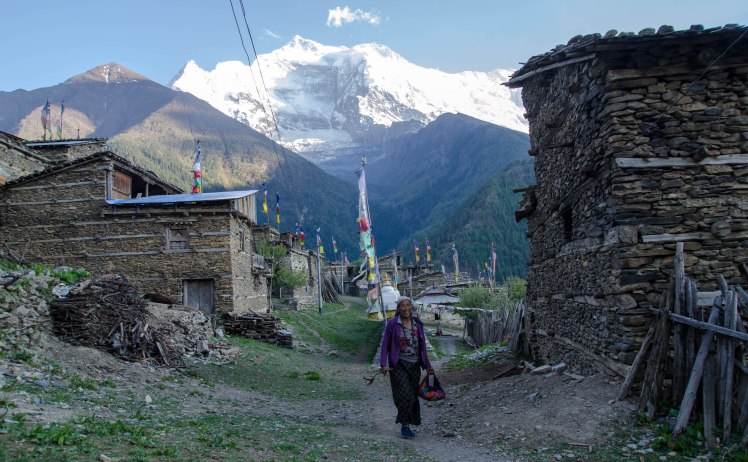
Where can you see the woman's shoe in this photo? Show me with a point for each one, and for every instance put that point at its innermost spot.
(407, 433)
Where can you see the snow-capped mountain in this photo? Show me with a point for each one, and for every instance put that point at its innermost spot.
(331, 101)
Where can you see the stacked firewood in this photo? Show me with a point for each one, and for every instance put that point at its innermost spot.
(330, 290)
(258, 326)
(107, 313)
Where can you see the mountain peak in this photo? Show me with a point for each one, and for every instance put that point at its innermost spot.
(108, 73)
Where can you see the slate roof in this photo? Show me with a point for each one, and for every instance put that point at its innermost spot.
(581, 46)
(90, 158)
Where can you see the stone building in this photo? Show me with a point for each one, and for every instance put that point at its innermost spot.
(107, 215)
(20, 157)
(640, 142)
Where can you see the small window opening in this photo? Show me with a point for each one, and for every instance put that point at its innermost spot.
(568, 225)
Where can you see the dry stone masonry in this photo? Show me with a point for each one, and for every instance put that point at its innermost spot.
(640, 141)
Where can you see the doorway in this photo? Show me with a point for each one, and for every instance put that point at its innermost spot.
(198, 293)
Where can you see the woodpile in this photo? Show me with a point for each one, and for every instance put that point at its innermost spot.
(330, 289)
(704, 360)
(257, 326)
(107, 313)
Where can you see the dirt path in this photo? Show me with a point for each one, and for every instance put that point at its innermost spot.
(430, 441)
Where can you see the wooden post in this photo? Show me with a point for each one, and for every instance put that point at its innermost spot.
(708, 398)
(731, 314)
(637, 362)
(651, 386)
(698, 368)
(679, 354)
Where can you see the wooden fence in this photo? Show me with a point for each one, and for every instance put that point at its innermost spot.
(507, 324)
(702, 350)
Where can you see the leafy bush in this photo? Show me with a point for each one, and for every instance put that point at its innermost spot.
(289, 279)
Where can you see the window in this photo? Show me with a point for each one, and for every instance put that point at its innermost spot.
(177, 238)
(568, 225)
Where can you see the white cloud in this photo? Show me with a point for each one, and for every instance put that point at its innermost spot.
(340, 16)
(271, 34)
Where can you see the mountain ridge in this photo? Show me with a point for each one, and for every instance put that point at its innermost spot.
(334, 103)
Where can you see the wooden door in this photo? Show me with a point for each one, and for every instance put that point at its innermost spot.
(198, 293)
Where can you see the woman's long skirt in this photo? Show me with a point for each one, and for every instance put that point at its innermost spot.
(404, 379)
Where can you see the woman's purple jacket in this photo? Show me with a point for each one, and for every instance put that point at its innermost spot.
(391, 343)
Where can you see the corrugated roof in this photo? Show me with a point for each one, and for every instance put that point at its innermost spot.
(183, 198)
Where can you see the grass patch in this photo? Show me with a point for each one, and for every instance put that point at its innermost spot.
(343, 328)
(281, 372)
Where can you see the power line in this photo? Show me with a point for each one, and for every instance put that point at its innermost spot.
(262, 103)
(262, 79)
(652, 125)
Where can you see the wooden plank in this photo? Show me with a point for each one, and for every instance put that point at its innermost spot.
(708, 399)
(679, 338)
(659, 162)
(514, 81)
(693, 382)
(731, 314)
(709, 327)
(706, 298)
(667, 237)
(634, 368)
(691, 308)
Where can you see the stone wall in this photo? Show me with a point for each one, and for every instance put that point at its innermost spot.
(631, 157)
(18, 161)
(62, 219)
(301, 260)
(249, 285)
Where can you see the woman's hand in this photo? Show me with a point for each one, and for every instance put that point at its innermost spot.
(383, 370)
(430, 371)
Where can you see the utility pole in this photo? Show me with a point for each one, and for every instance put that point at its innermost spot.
(342, 268)
(319, 275)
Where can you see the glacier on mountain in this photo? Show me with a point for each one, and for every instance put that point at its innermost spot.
(332, 101)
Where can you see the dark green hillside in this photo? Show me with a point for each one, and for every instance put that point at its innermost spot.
(485, 216)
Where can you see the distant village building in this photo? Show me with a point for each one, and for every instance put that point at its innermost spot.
(99, 211)
(640, 141)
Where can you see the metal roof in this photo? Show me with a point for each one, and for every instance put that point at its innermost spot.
(436, 300)
(38, 144)
(183, 198)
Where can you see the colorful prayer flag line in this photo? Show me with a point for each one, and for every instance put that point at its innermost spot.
(197, 183)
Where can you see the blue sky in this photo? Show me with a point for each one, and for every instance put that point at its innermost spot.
(45, 42)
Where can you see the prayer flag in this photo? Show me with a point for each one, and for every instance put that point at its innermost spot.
(319, 244)
(264, 198)
(277, 208)
(493, 262)
(428, 251)
(418, 251)
(47, 120)
(197, 184)
(301, 235)
(59, 121)
(455, 260)
(334, 245)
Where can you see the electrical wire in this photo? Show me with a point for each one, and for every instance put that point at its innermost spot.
(262, 102)
(653, 124)
(262, 79)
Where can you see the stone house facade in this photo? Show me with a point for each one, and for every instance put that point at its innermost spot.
(107, 215)
(640, 141)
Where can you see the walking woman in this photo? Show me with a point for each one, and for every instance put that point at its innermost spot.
(404, 355)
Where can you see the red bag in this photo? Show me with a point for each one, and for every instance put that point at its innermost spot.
(429, 391)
